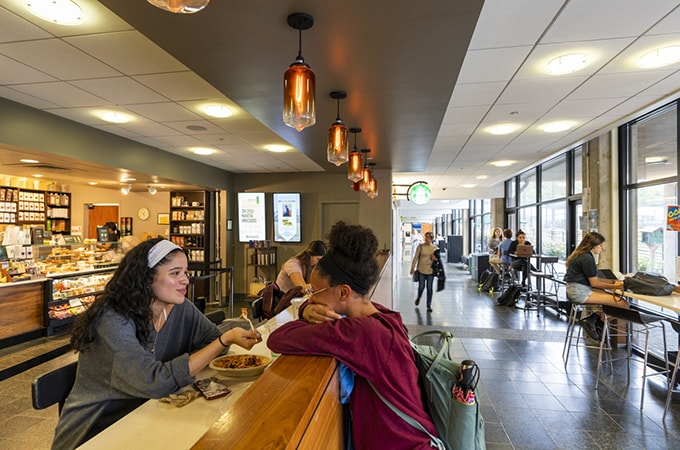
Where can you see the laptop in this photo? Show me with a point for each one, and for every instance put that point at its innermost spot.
(606, 274)
(524, 251)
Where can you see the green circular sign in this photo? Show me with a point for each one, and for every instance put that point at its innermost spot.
(419, 193)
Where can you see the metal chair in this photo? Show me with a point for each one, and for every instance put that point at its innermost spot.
(576, 313)
(645, 322)
(53, 387)
(671, 383)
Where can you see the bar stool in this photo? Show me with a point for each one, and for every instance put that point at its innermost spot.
(646, 322)
(506, 276)
(576, 313)
(671, 383)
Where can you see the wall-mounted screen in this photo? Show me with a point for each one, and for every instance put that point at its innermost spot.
(251, 217)
(287, 217)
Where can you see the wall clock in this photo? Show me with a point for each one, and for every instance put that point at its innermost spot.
(143, 213)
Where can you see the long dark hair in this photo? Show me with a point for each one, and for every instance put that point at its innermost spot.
(354, 248)
(315, 248)
(128, 293)
(589, 241)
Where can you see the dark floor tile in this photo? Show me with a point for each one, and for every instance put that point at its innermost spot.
(568, 438)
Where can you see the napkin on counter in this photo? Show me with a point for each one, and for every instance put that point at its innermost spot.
(181, 399)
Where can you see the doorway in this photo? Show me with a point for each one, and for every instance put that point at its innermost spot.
(98, 215)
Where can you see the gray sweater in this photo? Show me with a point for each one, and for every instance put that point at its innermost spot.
(116, 373)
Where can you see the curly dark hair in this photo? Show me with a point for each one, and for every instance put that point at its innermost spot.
(128, 293)
(354, 248)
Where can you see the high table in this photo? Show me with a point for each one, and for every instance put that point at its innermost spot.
(665, 301)
(298, 394)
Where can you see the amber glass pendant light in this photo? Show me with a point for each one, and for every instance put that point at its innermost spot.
(299, 83)
(337, 135)
(180, 6)
(366, 176)
(372, 190)
(356, 161)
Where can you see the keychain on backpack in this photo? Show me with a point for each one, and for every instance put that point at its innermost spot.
(464, 389)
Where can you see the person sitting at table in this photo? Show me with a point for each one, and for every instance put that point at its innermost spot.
(340, 320)
(496, 258)
(516, 263)
(583, 285)
(295, 271)
(140, 339)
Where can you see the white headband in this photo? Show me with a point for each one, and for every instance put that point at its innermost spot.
(160, 251)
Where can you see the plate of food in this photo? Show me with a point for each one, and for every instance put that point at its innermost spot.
(245, 365)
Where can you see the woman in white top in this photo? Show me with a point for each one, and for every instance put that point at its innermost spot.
(296, 271)
(422, 261)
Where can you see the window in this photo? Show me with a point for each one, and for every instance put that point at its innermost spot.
(577, 171)
(527, 187)
(510, 190)
(554, 229)
(554, 179)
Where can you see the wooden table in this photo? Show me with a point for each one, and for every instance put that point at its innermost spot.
(292, 403)
(671, 302)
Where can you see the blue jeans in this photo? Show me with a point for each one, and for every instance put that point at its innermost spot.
(422, 279)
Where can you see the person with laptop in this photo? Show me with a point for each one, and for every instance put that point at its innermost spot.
(585, 287)
(522, 251)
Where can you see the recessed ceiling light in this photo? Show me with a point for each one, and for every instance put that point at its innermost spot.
(203, 151)
(29, 161)
(219, 111)
(554, 127)
(276, 148)
(124, 179)
(482, 177)
(114, 117)
(660, 57)
(92, 183)
(567, 64)
(196, 128)
(62, 12)
(502, 128)
(469, 185)
(503, 163)
(36, 175)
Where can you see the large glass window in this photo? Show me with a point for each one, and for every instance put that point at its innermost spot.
(554, 179)
(527, 223)
(653, 248)
(554, 229)
(510, 192)
(577, 171)
(527, 188)
(653, 150)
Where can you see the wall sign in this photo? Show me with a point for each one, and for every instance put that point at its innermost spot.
(251, 217)
(287, 217)
(419, 193)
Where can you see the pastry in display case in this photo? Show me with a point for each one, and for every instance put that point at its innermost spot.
(79, 257)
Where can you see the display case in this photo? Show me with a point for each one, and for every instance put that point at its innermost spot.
(77, 257)
(67, 295)
(261, 267)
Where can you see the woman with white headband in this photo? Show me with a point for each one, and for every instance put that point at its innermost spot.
(140, 339)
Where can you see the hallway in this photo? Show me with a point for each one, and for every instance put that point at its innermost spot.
(528, 399)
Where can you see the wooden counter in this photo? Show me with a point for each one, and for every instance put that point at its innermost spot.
(22, 309)
(294, 404)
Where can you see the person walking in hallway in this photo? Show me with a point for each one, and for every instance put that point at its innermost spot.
(422, 262)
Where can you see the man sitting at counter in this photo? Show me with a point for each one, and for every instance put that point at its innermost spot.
(140, 339)
(341, 321)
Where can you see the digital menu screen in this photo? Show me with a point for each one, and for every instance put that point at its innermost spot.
(287, 217)
(251, 217)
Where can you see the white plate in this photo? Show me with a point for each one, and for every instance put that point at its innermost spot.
(244, 372)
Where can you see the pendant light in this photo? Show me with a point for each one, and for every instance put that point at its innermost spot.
(180, 6)
(365, 181)
(372, 191)
(356, 162)
(299, 82)
(337, 135)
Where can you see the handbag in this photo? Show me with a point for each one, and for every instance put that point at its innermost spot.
(647, 283)
(416, 276)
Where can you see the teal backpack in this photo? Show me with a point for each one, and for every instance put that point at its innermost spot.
(460, 425)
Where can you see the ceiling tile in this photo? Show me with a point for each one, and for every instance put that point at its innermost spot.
(164, 112)
(120, 90)
(62, 94)
(179, 86)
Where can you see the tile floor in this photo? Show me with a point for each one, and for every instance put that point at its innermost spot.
(529, 400)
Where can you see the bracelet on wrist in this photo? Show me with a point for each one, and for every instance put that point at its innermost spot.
(219, 338)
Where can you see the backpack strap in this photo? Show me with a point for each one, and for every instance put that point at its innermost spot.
(435, 442)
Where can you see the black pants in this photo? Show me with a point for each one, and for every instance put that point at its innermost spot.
(524, 265)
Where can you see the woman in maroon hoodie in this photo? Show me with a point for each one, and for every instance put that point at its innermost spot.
(340, 320)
